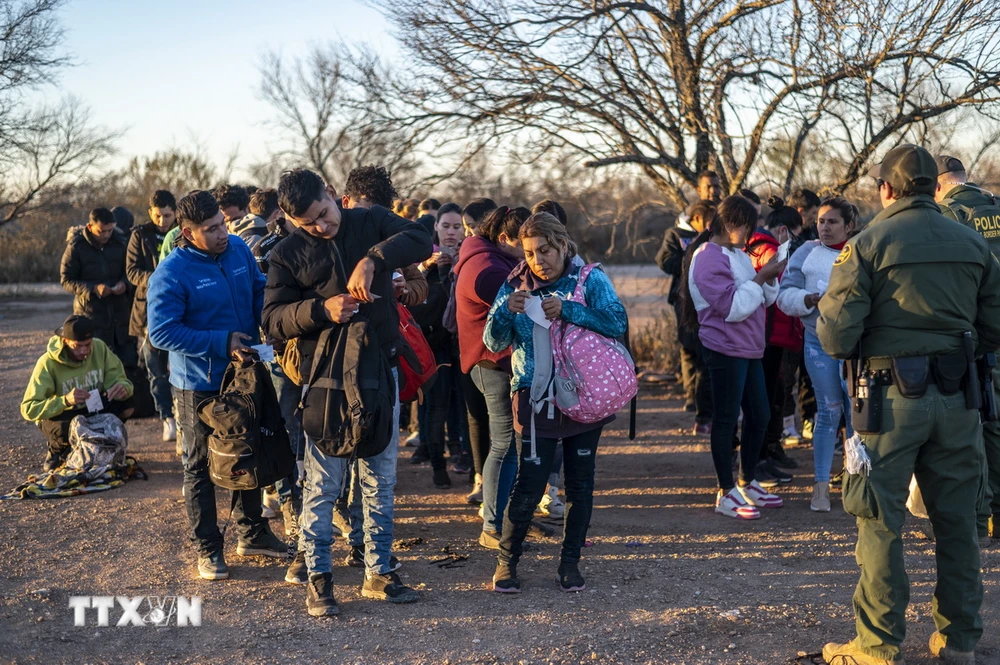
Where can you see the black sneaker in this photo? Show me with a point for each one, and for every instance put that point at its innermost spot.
(442, 480)
(462, 465)
(505, 579)
(356, 559)
(388, 588)
(764, 477)
(570, 579)
(782, 460)
(420, 456)
(263, 544)
(297, 572)
(212, 566)
(781, 475)
(319, 596)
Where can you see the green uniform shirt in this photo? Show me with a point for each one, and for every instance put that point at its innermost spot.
(909, 285)
(959, 203)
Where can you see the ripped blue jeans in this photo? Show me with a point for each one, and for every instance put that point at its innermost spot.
(831, 400)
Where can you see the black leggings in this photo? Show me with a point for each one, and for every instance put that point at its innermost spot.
(737, 382)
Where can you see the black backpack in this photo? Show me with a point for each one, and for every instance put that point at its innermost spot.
(248, 447)
(348, 397)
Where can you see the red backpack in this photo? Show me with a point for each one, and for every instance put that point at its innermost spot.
(420, 366)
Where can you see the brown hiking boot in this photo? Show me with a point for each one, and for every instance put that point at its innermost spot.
(939, 648)
(851, 654)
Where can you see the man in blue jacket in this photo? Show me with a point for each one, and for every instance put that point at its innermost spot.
(204, 306)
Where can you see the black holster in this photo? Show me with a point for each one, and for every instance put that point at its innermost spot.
(950, 373)
(866, 404)
(911, 376)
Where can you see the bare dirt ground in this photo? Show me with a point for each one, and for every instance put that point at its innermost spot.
(668, 580)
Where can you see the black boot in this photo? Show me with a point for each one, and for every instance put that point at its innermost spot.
(505, 578)
(570, 578)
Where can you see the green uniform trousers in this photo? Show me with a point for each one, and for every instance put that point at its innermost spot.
(989, 511)
(939, 440)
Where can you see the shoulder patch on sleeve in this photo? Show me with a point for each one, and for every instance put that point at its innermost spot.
(844, 256)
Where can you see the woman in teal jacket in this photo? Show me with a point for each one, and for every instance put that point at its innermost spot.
(549, 273)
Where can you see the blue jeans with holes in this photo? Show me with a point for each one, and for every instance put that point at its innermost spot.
(500, 466)
(831, 398)
(159, 378)
(325, 476)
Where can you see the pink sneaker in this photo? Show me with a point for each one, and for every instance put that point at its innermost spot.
(756, 495)
(704, 429)
(732, 504)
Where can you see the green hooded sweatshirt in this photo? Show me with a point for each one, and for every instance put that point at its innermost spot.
(56, 374)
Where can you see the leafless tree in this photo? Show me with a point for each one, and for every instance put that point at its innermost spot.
(40, 148)
(48, 148)
(672, 87)
(324, 105)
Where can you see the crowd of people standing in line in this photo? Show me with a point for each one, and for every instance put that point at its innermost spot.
(212, 275)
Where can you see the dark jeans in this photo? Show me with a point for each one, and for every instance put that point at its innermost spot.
(479, 421)
(774, 382)
(736, 383)
(697, 383)
(796, 374)
(458, 422)
(579, 459)
(437, 405)
(288, 400)
(199, 492)
(159, 378)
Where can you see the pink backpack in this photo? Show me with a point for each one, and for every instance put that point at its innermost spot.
(594, 376)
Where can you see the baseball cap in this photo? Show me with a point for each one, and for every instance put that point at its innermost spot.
(908, 168)
(76, 328)
(948, 164)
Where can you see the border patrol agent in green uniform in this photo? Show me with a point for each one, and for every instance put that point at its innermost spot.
(980, 211)
(902, 295)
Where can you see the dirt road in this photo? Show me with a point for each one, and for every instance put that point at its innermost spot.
(668, 580)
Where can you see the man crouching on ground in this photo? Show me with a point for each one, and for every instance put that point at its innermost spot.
(204, 305)
(306, 293)
(74, 364)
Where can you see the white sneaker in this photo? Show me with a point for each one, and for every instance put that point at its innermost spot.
(789, 434)
(270, 506)
(756, 495)
(550, 504)
(169, 429)
(820, 502)
(732, 504)
(476, 495)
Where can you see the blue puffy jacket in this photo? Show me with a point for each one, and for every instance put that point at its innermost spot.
(195, 302)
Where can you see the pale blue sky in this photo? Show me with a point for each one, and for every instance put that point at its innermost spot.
(169, 73)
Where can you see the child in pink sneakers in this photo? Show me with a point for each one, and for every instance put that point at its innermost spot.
(726, 299)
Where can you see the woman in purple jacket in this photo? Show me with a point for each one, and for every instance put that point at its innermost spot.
(726, 299)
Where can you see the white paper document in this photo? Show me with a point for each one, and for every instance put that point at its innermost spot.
(782, 252)
(94, 403)
(265, 352)
(533, 308)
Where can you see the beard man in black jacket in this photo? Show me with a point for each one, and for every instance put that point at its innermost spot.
(308, 291)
